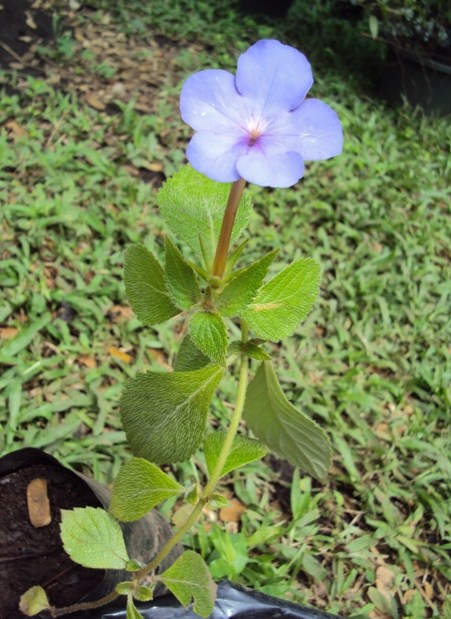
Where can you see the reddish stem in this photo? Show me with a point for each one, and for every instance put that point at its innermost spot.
(225, 235)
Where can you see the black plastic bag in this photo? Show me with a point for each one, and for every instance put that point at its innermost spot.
(233, 602)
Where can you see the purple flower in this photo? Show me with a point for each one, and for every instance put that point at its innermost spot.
(258, 125)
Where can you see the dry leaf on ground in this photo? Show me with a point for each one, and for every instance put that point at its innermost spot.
(233, 512)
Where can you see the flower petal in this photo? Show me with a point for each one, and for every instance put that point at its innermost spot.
(215, 155)
(320, 130)
(274, 76)
(210, 101)
(270, 168)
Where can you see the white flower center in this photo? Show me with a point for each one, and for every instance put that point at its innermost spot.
(255, 128)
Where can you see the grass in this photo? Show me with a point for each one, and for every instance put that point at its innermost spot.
(371, 364)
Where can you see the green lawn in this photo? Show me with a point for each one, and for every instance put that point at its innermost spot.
(371, 364)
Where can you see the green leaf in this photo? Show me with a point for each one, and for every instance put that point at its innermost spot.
(235, 348)
(203, 273)
(164, 415)
(189, 357)
(282, 303)
(33, 601)
(244, 450)
(93, 538)
(143, 593)
(139, 486)
(189, 578)
(132, 611)
(255, 351)
(234, 255)
(191, 490)
(208, 333)
(233, 554)
(134, 566)
(193, 206)
(180, 278)
(125, 587)
(23, 339)
(192, 496)
(373, 24)
(145, 285)
(283, 428)
(240, 290)
(217, 501)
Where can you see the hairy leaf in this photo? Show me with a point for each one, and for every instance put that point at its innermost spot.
(240, 290)
(208, 333)
(244, 450)
(132, 611)
(164, 415)
(93, 538)
(188, 579)
(133, 565)
(180, 278)
(193, 206)
(139, 486)
(143, 593)
(283, 302)
(189, 357)
(145, 285)
(191, 490)
(255, 351)
(235, 254)
(282, 427)
(218, 501)
(124, 587)
(251, 348)
(33, 601)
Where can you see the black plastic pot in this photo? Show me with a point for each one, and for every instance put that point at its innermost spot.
(233, 602)
(421, 81)
(31, 555)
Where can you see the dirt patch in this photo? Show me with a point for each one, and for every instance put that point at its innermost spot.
(23, 25)
(81, 55)
(79, 51)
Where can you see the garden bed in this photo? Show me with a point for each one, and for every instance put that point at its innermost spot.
(90, 128)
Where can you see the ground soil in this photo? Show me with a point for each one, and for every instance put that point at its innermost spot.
(103, 65)
(23, 24)
(32, 555)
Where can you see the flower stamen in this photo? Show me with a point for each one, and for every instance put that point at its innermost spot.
(254, 131)
(253, 136)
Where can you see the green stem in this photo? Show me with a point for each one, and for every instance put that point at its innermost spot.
(197, 510)
(74, 608)
(235, 422)
(194, 515)
(225, 235)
